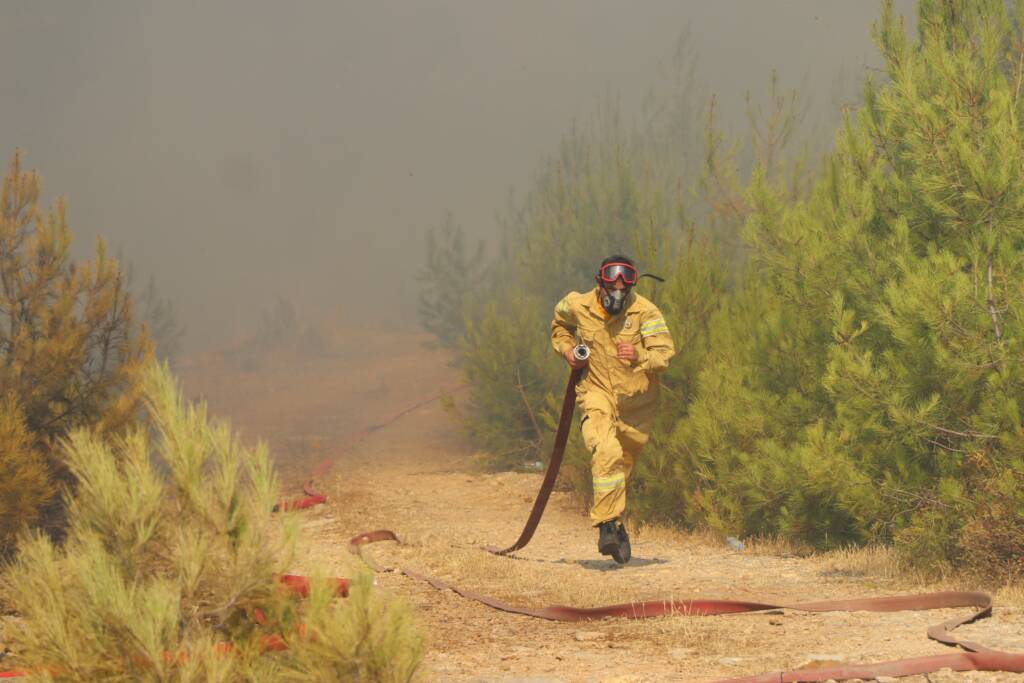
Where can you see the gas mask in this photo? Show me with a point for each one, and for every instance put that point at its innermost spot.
(614, 299)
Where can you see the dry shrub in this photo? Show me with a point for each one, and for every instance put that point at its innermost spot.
(776, 545)
(709, 636)
(874, 561)
(25, 484)
(992, 539)
(1011, 595)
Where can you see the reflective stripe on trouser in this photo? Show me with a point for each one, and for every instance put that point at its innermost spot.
(614, 446)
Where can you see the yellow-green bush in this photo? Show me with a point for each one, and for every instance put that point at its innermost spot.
(171, 546)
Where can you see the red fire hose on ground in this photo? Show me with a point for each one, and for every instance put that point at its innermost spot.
(976, 657)
(973, 656)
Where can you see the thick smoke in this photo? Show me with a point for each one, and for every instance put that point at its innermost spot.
(245, 151)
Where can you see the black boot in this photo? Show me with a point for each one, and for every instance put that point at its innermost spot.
(613, 540)
(625, 552)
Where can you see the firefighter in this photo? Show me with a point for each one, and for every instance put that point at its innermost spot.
(629, 344)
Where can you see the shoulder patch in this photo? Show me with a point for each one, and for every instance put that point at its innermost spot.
(563, 306)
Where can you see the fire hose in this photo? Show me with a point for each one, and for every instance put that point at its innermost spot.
(975, 657)
(581, 353)
(972, 657)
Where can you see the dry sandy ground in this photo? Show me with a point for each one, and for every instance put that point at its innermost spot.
(415, 475)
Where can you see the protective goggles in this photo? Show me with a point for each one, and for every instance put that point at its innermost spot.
(610, 272)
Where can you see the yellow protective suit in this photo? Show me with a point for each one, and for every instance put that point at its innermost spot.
(617, 398)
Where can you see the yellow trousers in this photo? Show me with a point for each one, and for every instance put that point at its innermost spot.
(614, 444)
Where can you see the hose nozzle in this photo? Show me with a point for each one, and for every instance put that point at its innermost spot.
(581, 352)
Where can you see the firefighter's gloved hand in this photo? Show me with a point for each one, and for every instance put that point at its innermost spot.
(572, 360)
(628, 353)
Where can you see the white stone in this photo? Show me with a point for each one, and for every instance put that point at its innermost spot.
(588, 635)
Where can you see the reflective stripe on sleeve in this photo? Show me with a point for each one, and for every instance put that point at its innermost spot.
(650, 327)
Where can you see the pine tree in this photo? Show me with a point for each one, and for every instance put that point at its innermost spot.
(864, 382)
(449, 277)
(942, 351)
(156, 313)
(69, 355)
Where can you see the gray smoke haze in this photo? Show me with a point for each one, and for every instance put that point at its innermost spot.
(241, 151)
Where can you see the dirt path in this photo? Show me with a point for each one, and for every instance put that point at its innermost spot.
(415, 476)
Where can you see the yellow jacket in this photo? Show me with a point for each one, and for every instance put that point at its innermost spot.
(609, 383)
